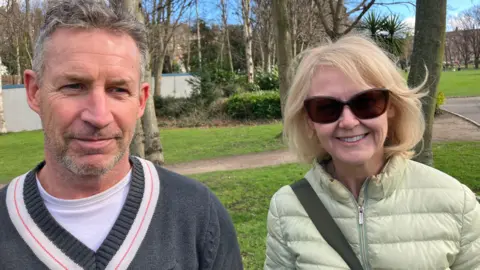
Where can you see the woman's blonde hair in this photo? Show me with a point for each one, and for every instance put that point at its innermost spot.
(366, 64)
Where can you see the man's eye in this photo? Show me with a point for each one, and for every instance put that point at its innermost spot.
(119, 90)
(74, 86)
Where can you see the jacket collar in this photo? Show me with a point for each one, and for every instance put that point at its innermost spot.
(378, 186)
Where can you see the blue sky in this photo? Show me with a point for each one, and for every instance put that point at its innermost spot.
(209, 10)
(454, 7)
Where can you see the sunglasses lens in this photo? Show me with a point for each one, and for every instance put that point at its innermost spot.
(370, 104)
(323, 110)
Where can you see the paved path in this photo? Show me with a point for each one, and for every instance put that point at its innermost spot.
(468, 107)
(254, 160)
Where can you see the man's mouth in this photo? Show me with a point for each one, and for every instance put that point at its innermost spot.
(93, 143)
(353, 138)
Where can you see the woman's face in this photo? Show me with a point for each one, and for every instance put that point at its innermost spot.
(349, 140)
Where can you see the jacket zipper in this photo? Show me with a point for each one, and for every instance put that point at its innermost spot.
(361, 227)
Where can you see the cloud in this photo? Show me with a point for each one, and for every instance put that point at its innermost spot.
(410, 23)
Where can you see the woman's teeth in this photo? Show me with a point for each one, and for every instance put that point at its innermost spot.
(353, 139)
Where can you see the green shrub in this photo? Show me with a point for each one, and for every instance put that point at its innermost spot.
(252, 87)
(254, 105)
(267, 80)
(173, 107)
(212, 83)
(440, 100)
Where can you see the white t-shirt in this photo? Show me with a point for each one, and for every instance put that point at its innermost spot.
(89, 219)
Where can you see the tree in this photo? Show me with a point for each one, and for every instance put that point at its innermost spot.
(462, 45)
(428, 49)
(226, 36)
(335, 20)
(247, 33)
(284, 47)
(3, 71)
(388, 31)
(264, 32)
(199, 37)
(470, 21)
(165, 18)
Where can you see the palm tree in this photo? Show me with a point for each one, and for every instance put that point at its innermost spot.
(374, 23)
(395, 29)
(387, 30)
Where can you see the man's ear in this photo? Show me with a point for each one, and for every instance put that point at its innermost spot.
(32, 87)
(143, 97)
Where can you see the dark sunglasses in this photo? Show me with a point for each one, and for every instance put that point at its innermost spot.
(364, 105)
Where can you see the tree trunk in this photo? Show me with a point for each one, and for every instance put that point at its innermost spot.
(269, 60)
(267, 51)
(247, 34)
(273, 54)
(284, 47)
(428, 48)
(137, 146)
(17, 58)
(223, 7)
(199, 41)
(189, 51)
(229, 48)
(294, 31)
(30, 48)
(262, 55)
(3, 128)
(153, 146)
(159, 62)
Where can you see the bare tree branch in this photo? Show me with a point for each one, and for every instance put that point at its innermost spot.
(321, 15)
(359, 17)
(357, 8)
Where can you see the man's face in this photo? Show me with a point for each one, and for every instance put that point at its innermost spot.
(89, 99)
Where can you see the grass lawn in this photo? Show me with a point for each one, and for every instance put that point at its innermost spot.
(187, 144)
(21, 151)
(247, 193)
(460, 83)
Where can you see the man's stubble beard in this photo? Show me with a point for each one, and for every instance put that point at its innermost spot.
(60, 154)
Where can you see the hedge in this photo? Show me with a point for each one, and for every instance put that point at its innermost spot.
(254, 105)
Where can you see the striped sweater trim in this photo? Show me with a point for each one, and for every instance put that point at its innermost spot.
(58, 249)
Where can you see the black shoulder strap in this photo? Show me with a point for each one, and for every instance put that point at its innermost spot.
(325, 223)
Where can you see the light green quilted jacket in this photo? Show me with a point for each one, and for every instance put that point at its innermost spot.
(410, 216)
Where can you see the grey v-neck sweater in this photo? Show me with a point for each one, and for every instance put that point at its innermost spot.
(167, 222)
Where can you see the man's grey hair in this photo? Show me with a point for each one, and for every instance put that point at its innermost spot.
(88, 14)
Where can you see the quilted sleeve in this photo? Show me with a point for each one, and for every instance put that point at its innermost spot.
(278, 255)
(469, 256)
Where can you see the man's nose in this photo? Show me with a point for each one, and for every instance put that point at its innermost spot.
(97, 111)
(348, 120)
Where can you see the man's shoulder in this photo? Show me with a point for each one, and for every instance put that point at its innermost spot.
(182, 189)
(3, 194)
(177, 182)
